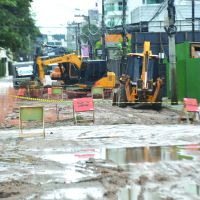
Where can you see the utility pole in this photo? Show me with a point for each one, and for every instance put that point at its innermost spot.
(171, 31)
(76, 32)
(193, 22)
(103, 32)
(87, 18)
(89, 39)
(124, 38)
(79, 39)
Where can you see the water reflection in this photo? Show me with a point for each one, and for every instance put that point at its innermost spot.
(74, 193)
(135, 192)
(124, 156)
(152, 154)
(127, 156)
(192, 189)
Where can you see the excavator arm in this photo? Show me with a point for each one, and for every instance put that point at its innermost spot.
(146, 55)
(67, 58)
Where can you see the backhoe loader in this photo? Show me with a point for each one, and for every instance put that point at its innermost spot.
(144, 91)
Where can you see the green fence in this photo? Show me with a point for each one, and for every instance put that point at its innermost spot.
(187, 72)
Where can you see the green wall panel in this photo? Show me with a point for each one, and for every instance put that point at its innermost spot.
(187, 73)
(193, 78)
(181, 79)
(183, 51)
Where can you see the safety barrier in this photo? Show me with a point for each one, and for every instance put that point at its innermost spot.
(95, 100)
(97, 91)
(55, 92)
(190, 110)
(62, 112)
(81, 105)
(30, 114)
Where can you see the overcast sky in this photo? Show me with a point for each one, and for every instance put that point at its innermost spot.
(51, 15)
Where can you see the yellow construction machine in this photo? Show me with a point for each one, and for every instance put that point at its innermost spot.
(146, 89)
(72, 70)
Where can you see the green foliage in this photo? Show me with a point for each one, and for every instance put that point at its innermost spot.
(90, 34)
(70, 50)
(18, 31)
(129, 47)
(8, 3)
(98, 45)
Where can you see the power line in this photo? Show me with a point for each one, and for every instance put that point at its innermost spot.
(159, 10)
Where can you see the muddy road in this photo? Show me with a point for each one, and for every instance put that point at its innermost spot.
(102, 162)
(126, 154)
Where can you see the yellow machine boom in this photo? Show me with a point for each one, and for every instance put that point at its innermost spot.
(68, 58)
(144, 90)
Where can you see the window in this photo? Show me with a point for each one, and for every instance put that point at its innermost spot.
(111, 22)
(109, 7)
(153, 1)
(195, 50)
(120, 5)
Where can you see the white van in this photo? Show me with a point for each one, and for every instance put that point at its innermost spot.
(22, 72)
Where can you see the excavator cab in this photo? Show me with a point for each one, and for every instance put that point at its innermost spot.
(134, 68)
(92, 71)
(66, 72)
(89, 72)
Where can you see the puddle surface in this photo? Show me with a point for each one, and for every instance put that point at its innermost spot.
(135, 192)
(60, 165)
(74, 194)
(124, 156)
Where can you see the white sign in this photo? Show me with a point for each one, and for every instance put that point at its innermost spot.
(25, 71)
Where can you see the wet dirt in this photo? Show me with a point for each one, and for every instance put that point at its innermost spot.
(74, 163)
(60, 114)
(127, 154)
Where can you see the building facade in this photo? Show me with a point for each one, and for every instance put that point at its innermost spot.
(113, 12)
(94, 16)
(154, 12)
(74, 28)
(72, 32)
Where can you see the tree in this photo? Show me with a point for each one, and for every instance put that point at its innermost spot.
(90, 34)
(18, 31)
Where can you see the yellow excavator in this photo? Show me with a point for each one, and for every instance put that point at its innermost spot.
(145, 90)
(72, 70)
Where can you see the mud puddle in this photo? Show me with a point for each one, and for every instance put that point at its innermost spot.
(74, 193)
(60, 171)
(124, 156)
(135, 192)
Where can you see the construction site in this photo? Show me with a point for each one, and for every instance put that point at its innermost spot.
(125, 153)
(114, 115)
